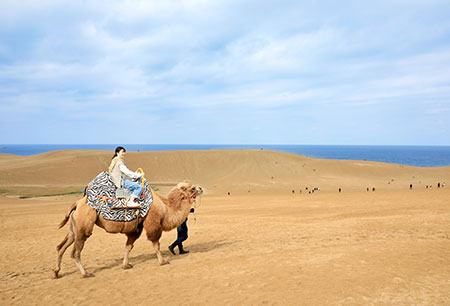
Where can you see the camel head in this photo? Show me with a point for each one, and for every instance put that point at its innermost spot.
(184, 192)
(192, 190)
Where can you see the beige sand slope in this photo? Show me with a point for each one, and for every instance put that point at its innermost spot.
(220, 172)
(262, 244)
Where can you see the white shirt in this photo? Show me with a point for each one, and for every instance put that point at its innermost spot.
(119, 169)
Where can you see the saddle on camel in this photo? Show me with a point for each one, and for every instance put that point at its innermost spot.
(112, 202)
(104, 205)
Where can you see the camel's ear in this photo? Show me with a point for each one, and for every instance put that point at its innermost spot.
(182, 186)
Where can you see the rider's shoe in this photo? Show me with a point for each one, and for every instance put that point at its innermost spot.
(132, 204)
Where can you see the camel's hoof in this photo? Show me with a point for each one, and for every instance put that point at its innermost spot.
(165, 262)
(87, 275)
(56, 275)
(127, 266)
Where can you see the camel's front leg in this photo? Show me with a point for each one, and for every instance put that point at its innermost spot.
(128, 247)
(125, 263)
(161, 260)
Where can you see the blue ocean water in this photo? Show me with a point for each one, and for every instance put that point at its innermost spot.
(421, 156)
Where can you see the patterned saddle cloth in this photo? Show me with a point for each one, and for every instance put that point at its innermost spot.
(103, 197)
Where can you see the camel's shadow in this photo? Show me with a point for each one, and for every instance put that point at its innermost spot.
(194, 248)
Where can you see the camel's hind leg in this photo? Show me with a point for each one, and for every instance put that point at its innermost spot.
(67, 241)
(128, 247)
(76, 253)
(61, 248)
(80, 239)
(81, 219)
(82, 233)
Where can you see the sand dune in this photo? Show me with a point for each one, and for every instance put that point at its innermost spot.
(218, 171)
(262, 244)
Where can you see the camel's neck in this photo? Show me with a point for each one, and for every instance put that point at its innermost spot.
(175, 217)
(175, 213)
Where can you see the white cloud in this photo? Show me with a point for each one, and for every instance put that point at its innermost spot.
(246, 57)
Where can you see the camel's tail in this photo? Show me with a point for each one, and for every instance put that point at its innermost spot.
(72, 208)
(66, 218)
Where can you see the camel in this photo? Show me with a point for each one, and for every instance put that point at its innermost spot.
(165, 214)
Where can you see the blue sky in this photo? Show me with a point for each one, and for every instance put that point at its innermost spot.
(225, 72)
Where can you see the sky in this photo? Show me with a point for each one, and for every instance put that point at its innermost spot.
(225, 72)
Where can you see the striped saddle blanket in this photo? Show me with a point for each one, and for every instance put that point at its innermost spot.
(102, 196)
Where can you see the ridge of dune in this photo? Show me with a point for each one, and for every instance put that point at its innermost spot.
(220, 171)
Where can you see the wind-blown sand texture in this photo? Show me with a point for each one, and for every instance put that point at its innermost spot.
(256, 239)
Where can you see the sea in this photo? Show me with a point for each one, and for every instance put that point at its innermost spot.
(420, 156)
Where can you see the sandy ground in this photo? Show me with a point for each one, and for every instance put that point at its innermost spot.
(262, 244)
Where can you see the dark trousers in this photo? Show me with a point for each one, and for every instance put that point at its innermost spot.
(182, 235)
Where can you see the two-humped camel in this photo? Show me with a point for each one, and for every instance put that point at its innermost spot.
(165, 214)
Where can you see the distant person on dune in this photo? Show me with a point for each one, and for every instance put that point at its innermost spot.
(119, 171)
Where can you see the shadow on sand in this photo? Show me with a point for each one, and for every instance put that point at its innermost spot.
(194, 248)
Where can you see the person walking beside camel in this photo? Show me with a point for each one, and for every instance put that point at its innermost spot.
(118, 170)
(182, 235)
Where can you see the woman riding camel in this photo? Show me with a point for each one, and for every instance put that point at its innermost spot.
(118, 171)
